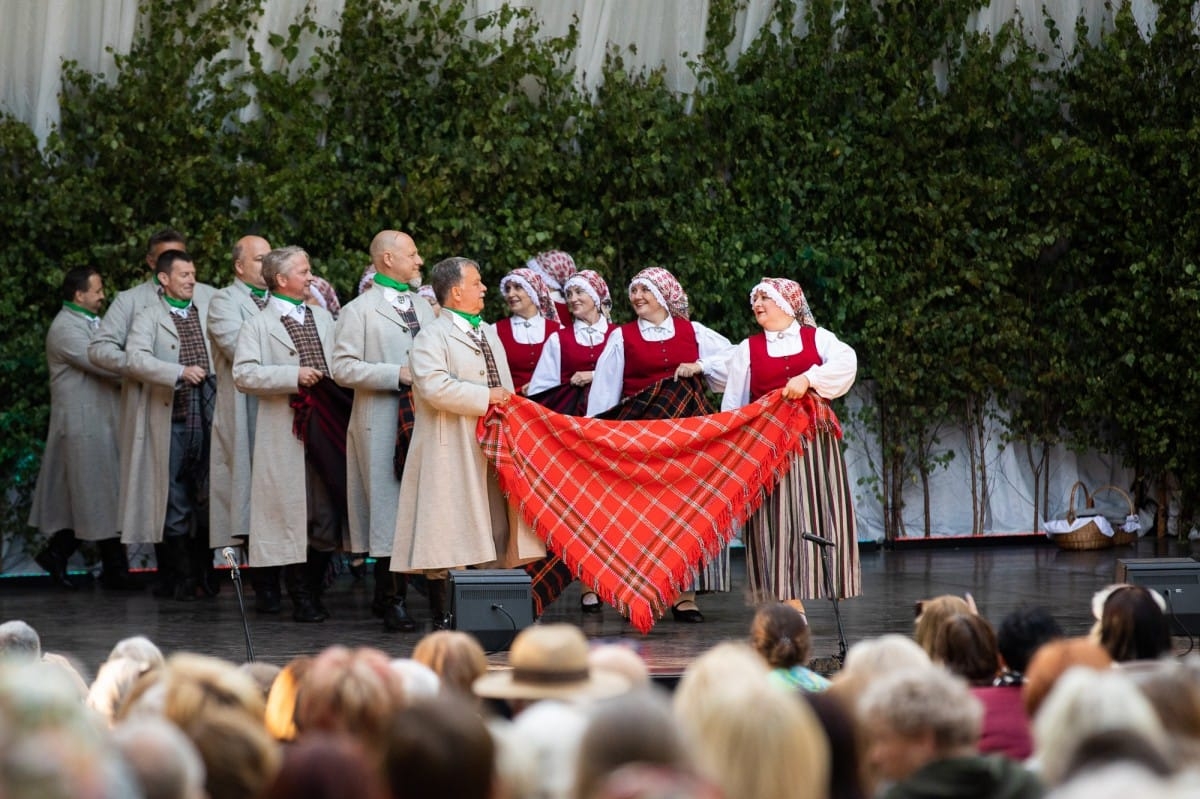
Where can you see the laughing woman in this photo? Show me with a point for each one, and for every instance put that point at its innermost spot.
(651, 368)
(533, 318)
(812, 366)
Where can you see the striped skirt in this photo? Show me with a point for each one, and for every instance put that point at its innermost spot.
(814, 497)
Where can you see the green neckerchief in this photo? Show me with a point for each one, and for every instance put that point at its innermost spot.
(174, 303)
(80, 309)
(392, 283)
(286, 298)
(473, 318)
(255, 290)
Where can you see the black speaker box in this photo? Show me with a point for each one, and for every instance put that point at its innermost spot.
(1177, 579)
(491, 604)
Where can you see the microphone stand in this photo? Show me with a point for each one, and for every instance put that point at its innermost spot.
(825, 545)
(236, 574)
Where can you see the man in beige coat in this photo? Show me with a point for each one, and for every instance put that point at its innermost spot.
(283, 351)
(233, 427)
(372, 341)
(164, 479)
(75, 498)
(452, 512)
(107, 347)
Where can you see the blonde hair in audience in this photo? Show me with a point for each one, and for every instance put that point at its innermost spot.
(456, 657)
(280, 714)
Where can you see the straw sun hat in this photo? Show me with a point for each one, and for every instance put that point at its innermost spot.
(550, 661)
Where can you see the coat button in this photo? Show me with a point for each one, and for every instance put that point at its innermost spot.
(481, 373)
(291, 353)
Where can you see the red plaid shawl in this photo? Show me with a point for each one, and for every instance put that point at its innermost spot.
(633, 507)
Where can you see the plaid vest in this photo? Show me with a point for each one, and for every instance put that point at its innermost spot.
(307, 341)
(192, 352)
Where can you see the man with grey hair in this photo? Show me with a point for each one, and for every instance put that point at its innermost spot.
(232, 427)
(19, 640)
(923, 727)
(452, 512)
(372, 343)
(282, 358)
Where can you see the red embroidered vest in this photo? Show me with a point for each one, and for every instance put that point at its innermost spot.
(522, 358)
(768, 374)
(576, 357)
(647, 362)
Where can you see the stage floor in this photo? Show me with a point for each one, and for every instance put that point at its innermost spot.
(86, 623)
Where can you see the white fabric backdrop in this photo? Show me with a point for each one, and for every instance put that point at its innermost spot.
(36, 36)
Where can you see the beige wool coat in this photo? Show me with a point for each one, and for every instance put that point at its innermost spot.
(152, 359)
(266, 365)
(370, 344)
(452, 512)
(79, 478)
(233, 420)
(107, 351)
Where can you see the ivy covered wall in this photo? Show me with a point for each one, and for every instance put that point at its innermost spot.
(986, 229)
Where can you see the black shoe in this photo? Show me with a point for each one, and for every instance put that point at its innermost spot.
(443, 621)
(397, 620)
(304, 607)
(115, 575)
(56, 568)
(590, 607)
(305, 611)
(268, 601)
(687, 615)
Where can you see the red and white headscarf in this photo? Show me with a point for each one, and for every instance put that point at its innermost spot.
(556, 266)
(594, 286)
(533, 285)
(788, 295)
(665, 288)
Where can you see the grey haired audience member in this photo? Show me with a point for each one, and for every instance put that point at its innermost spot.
(19, 640)
(637, 727)
(163, 759)
(139, 649)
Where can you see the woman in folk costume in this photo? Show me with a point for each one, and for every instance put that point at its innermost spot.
(651, 368)
(561, 382)
(556, 268)
(532, 318)
(564, 372)
(811, 365)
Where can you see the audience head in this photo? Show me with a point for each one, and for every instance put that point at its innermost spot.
(932, 613)
(872, 658)
(637, 727)
(1082, 702)
(164, 760)
(1051, 661)
(549, 661)
(917, 716)
(439, 748)
(456, 657)
(419, 680)
(350, 691)
(748, 736)
(537, 753)
(240, 757)
(1133, 624)
(620, 659)
(263, 674)
(19, 641)
(326, 766)
(780, 634)
(280, 713)
(139, 649)
(1173, 689)
(194, 684)
(641, 781)
(966, 645)
(1021, 633)
(112, 686)
(847, 779)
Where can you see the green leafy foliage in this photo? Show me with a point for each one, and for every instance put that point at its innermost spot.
(989, 232)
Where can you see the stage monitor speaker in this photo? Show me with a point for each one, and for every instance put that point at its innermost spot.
(491, 604)
(1177, 579)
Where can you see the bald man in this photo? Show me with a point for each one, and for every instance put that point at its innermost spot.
(233, 418)
(372, 342)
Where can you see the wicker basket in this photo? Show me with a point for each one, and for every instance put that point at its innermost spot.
(1089, 535)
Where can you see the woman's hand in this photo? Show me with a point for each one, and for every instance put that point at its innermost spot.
(688, 370)
(581, 379)
(796, 387)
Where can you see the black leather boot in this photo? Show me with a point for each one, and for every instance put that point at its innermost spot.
(318, 568)
(54, 556)
(265, 580)
(207, 578)
(165, 577)
(304, 610)
(184, 566)
(390, 594)
(438, 593)
(115, 574)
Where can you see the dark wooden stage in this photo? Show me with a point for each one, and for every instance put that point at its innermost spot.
(1002, 575)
